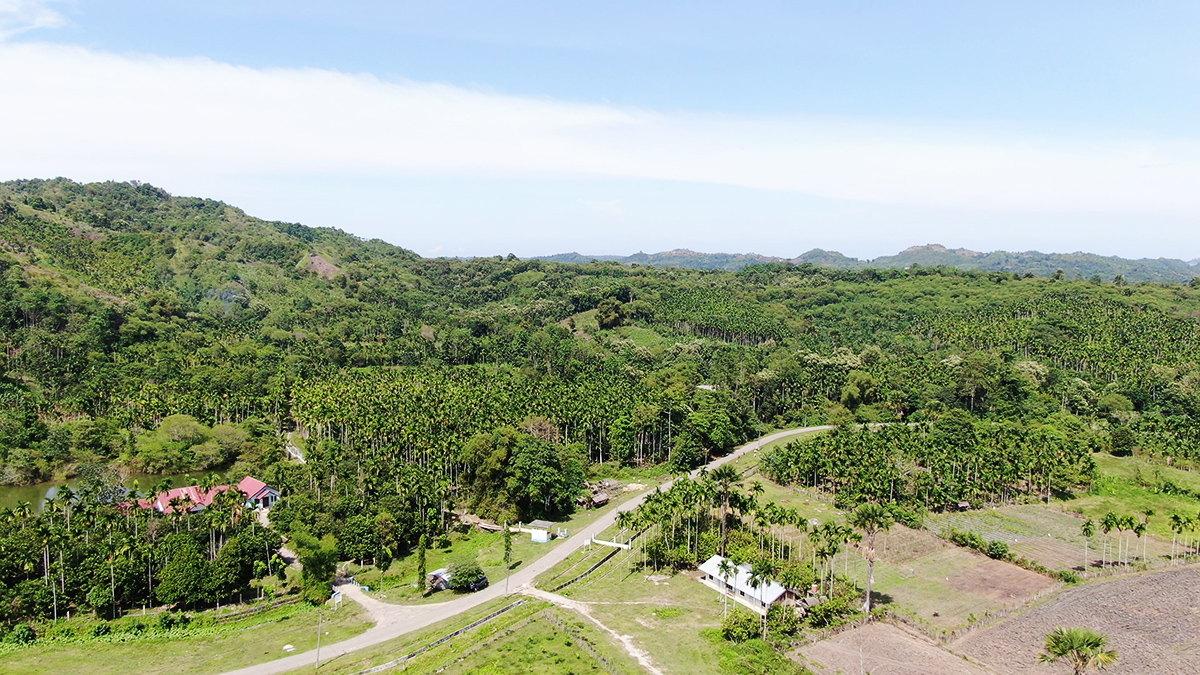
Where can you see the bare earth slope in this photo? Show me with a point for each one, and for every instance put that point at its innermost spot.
(883, 649)
(1152, 620)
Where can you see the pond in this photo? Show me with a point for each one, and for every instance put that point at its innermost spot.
(12, 495)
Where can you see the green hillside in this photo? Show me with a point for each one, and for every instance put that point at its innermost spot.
(160, 334)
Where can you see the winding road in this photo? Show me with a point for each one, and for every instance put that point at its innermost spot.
(392, 621)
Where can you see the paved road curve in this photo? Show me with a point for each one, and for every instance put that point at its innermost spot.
(392, 621)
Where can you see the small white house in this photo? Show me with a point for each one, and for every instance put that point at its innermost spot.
(540, 530)
(738, 586)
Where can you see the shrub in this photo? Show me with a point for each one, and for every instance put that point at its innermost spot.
(832, 612)
(1066, 576)
(467, 576)
(782, 621)
(21, 634)
(997, 550)
(101, 629)
(740, 626)
(170, 620)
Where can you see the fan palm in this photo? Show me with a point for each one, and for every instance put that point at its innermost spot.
(1083, 649)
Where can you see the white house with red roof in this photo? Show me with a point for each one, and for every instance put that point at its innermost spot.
(193, 498)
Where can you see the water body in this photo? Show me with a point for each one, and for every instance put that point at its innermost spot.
(36, 495)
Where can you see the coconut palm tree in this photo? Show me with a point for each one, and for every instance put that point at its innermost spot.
(1177, 528)
(1081, 648)
(871, 519)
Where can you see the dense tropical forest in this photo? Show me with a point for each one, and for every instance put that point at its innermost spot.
(144, 332)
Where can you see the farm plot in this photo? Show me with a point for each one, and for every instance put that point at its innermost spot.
(1046, 535)
(1152, 620)
(942, 586)
(883, 649)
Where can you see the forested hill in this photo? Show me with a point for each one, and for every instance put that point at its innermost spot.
(1072, 265)
(171, 334)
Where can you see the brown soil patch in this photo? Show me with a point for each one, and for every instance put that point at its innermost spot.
(322, 267)
(901, 545)
(90, 235)
(1152, 620)
(1000, 582)
(883, 649)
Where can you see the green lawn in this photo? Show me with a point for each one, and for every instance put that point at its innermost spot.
(251, 641)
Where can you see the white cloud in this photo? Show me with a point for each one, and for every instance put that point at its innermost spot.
(96, 115)
(18, 16)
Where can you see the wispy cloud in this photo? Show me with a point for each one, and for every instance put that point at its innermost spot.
(91, 114)
(18, 16)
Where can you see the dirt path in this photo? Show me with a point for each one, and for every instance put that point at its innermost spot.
(409, 618)
(639, 654)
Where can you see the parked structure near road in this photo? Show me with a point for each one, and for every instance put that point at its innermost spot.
(540, 530)
(738, 586)
(194, 499)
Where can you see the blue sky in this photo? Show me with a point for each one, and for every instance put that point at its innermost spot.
(476, 128)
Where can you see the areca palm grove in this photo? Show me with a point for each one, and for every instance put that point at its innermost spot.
(932, 466)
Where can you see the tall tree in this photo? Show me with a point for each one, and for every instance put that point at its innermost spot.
(726, 479)
(871, 519)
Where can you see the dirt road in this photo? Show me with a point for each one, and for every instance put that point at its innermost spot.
(392, 621)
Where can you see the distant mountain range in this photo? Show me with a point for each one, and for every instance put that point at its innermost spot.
(1084, 265)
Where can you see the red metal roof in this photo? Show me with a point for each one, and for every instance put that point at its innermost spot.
(194, 495)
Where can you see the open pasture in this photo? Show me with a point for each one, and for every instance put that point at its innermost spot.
(883, 649)
(1152, 620)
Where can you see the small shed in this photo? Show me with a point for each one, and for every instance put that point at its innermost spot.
(540, 530)
(439, 579)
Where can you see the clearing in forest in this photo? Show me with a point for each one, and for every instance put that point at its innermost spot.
(1152, 620)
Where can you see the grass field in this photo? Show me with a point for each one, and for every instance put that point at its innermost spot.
(251, 641)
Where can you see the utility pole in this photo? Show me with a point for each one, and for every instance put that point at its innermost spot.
(318, 640)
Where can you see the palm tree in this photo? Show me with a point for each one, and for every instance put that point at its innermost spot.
(760, 575)
(1083, 649)
(726, 478)
(1176, 530)
(871, 519)
(727, 569)
(1146, 513)
(1107, 524)
(1088, 529)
